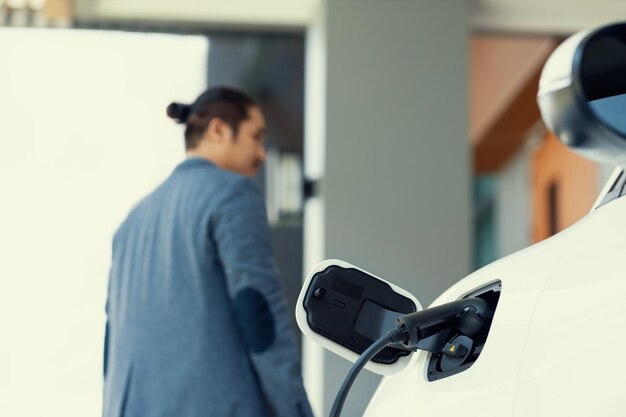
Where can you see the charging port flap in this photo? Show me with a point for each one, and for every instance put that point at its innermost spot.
(346, 309)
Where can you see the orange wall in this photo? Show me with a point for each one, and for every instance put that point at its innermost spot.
(575, 180)
(500, 68)
(504, 75)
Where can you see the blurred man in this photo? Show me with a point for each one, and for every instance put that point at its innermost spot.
(197, 323)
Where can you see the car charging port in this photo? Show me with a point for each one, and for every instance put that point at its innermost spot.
(454, 352)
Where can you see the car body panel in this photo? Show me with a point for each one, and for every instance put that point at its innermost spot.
(555, 340)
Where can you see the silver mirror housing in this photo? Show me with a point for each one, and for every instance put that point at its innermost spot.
(582, 93)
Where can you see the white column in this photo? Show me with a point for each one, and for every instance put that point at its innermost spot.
(387, 85)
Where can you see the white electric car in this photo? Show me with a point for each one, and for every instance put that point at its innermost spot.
(539, 333)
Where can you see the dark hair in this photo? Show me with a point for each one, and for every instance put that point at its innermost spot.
(228, 104)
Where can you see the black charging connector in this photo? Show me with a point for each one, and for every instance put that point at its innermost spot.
(468, 316)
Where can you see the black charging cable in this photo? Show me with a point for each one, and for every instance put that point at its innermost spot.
(392, 337)
(467, 315)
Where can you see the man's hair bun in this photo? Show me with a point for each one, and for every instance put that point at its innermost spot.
(179, 112)
(229, 104)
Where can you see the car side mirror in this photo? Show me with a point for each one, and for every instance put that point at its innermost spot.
(582, 93)
(345, 309)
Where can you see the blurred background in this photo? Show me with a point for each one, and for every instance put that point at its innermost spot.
(404, 137)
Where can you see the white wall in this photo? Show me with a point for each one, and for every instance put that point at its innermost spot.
(231, 12)
(547, 17)
(513, 200)
(529, 16)
(83, 135)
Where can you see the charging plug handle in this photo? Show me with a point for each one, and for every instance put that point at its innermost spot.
(467, 315)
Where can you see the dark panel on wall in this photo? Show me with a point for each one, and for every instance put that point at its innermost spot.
(270, 68)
